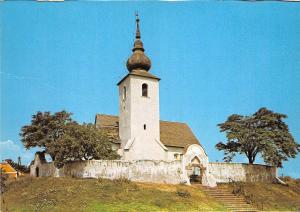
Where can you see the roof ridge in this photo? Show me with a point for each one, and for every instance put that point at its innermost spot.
(116, 116)
(102, 114)
(174, 122)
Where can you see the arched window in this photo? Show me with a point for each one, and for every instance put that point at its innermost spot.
(145, 90)
(124, 93)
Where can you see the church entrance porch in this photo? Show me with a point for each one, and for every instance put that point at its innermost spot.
(196, 171)
(195, 162)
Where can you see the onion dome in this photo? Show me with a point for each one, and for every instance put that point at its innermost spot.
(138, 60)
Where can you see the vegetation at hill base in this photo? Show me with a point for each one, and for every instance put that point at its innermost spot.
(71, 194)
(270, 196)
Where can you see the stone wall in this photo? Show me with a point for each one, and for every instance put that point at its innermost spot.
(140, 171)
(173, 172)
(224, 172)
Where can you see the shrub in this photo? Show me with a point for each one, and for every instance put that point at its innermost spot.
(122, 180)
(3, 178)
(238, 189)
(183, 193)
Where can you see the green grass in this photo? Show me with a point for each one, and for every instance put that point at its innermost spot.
(70, 194)
(270, 196)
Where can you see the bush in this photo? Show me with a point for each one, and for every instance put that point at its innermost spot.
(238, 189)
(122, 180)
(3, 178)
(183, 193)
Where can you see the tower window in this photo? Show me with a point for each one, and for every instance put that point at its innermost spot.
(145, 90)
(144, 126)
(124, 93)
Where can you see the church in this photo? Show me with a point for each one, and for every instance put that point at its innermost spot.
(138, 132)
(151, 150)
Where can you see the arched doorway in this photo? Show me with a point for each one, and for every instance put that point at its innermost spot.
(37, 172)
(196, 171)
(196, 165)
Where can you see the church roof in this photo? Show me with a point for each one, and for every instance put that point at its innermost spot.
(139, 73)
(174, 134)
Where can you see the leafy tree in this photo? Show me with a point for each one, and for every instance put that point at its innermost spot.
(45, 129)
(81, 142)
(65, 140)
(263, 133)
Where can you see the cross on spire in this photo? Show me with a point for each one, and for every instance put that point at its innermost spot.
(137, 19)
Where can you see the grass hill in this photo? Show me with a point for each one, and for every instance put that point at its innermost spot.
(70, 194)
(269, 196)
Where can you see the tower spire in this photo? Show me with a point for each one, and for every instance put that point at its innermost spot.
(137, 20)
(138, 60)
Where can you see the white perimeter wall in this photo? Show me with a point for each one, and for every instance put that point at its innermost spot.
(222, 172)
(155, 171)
(141, 171)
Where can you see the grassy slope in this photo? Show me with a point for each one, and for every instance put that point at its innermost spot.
(68, 194)
(271, 197)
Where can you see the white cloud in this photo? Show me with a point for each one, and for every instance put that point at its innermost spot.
(10, 149)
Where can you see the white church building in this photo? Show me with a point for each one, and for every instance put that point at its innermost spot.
(138, 132)
(151, 150)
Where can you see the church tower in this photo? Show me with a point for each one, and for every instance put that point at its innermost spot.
(139, 128)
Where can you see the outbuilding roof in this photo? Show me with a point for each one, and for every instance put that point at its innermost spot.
(174, 134)
(7, 168)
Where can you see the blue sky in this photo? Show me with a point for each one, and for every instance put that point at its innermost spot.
(214, 59)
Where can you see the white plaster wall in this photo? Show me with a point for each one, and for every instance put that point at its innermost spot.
(124, 110)
(223, 172)
(140, 171)
(136, 111)
(145, 110)
(173, 150)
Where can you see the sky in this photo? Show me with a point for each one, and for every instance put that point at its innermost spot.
(214, 59)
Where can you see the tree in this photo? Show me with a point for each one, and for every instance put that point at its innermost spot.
(263, 133)
(81, 142)
(18, 167)
(45, 129)
(65, 140)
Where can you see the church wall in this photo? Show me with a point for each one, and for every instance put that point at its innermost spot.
(124, 110)
(137, 111)
(145, 150)
(224, 172)
(139, 171)
(144, 110)
(174, 150)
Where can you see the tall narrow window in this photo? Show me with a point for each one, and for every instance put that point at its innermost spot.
(144, 126)
(124, 93)
(145, 90)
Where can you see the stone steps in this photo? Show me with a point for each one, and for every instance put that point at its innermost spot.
(232, 202)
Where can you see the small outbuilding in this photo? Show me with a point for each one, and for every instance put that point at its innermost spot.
(9, 170)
